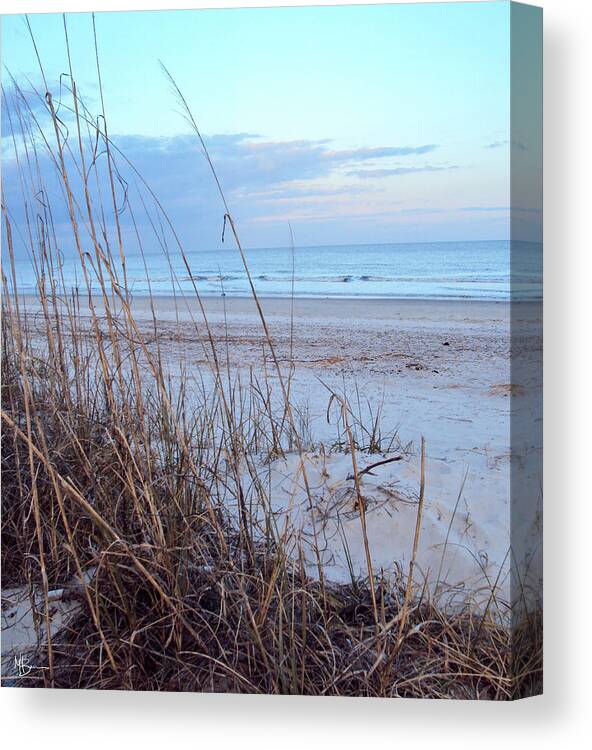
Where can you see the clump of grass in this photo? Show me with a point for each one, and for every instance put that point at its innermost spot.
(144, 485)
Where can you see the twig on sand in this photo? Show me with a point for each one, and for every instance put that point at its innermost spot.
(368, 469)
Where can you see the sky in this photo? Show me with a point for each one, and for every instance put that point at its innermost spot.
(351, 124)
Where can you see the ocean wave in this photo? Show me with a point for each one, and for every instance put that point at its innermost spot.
(368, 278)
(211, 277)
(349, 278)
(341, 279)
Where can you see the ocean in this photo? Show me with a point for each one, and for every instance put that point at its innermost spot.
(431, 270)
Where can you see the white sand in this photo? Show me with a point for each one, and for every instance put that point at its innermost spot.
(437, 369)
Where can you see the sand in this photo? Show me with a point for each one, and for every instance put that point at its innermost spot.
(434, 369)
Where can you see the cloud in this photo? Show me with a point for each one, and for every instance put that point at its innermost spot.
(372, 173)
(266, 183)
(24, 105)
(309, 191)
(356, 212)
(497, 209)
(245, 160)
(360, 154)
(422, 211)
(484, 209)
(499, 144)
(260, 177)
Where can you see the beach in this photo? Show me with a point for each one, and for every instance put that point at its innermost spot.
(271, 357)
(433, 369)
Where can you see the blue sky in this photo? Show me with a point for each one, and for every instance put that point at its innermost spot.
(354, 124)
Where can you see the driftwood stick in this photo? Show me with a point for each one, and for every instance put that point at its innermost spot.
(368, 469)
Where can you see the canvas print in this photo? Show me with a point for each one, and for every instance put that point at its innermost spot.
(272, 351)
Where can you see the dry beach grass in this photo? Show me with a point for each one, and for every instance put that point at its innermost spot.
(142, 499)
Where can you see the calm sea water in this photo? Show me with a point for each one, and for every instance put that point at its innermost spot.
(479, 270)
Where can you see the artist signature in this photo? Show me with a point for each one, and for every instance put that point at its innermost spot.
(23, 666)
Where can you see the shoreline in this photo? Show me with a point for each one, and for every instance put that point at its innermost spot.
(342, 298)
(328, 310)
